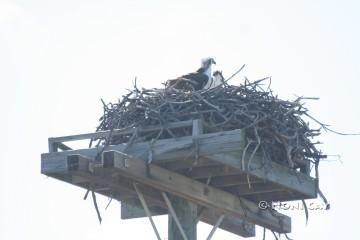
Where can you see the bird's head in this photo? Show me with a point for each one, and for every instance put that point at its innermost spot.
(206, 62)
(217, 76)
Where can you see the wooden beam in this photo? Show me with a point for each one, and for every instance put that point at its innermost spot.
(211, 146)
(182, 213)
(233, 180)
(131, 208)
(272, 172)
(167, 150)
(230, 223)
(181, 164)
(54, 146)
(56, 165)
(274, 196)
(182, 218)
(212, 171)
(254, 188)
(211, 234)
(124, 131)
(197, 192)
(147, 211)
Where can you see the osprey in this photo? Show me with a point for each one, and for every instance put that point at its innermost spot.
(196, 80)
(216, 80)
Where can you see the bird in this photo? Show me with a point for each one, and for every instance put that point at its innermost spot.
(195, 80)
(216, 80)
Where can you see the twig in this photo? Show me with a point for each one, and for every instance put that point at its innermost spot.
(234, 74)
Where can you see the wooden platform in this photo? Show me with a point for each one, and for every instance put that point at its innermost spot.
(208, 169)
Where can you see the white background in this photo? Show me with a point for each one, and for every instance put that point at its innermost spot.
(58, 58)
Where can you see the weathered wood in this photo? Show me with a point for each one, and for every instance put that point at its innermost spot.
(219, 221)
(212, 171)
(274, 196)
(254, 188)
(233, 180)
(56, 165)
(147, 211)
(54, 146)
(200, 193)
(51, 145)
(272, 172)
(211, 145)
(182, 218)
(115, 132)
(131, 208)
(182, 221)
(182, 164)
(63, 146)
(167, 150)
(230, 223)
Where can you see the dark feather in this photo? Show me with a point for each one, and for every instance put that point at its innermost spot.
(200, 78)
(201, 70)
(195, 80)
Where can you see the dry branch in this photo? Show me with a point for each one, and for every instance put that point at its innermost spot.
(273, 126)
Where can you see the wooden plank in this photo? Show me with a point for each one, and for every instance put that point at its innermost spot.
(165, 150)
(63, 146)
(211, 145)
(230, 223)
(274, 196)
(131, 208)
(254, 188)
(233, 180)
(56, 165)
(191, 190)
(181, 164)
(272, 172)
(212, 171)
(79, 175)
(125, 131)
(52, 145)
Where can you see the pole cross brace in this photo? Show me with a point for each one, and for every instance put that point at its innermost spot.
(147, 211)
(173, 214)
(218, 222)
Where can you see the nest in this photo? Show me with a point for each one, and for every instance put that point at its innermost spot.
(273, 127)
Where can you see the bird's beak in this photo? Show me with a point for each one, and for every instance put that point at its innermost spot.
(213, 61)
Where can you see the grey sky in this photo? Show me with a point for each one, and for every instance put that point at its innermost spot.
(58, 58)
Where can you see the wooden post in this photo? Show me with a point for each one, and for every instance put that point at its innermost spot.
(186, 213)
(185, 210)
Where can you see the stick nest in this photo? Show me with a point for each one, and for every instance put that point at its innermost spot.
(274, 127)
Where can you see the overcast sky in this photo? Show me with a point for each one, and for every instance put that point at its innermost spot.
(58, 58)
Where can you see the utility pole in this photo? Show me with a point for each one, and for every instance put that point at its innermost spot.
(186, 213)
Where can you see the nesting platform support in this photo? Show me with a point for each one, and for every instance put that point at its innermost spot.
(186, 214)
(185, 211)
(204, 176)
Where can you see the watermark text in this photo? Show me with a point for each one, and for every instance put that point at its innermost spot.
(312, 206)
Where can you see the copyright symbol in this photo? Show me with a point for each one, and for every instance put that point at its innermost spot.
(263, 205)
